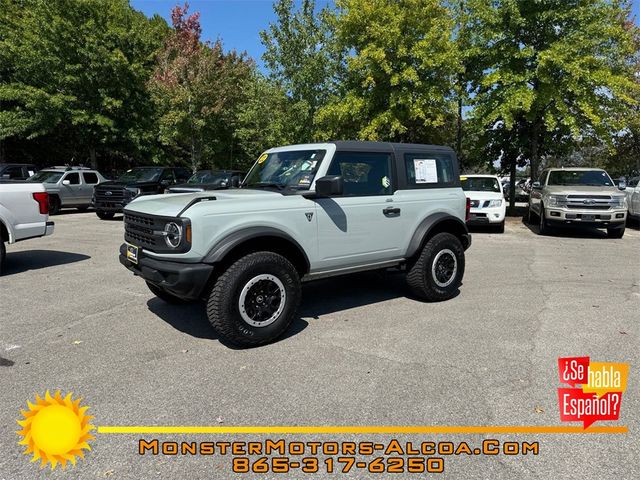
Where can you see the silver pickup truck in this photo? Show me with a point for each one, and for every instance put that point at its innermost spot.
(24, 214)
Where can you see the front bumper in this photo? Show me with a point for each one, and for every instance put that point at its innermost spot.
(486, 216)
(587, 218)
(115, 207)
(184, 280)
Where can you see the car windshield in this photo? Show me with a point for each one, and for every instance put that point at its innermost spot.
(291, 169)
(480, 184)
(596, 178)
(45, 176)
(141, 175)
(209, 177)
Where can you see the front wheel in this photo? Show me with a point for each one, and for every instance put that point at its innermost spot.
(104, 215)
(3, 254)
(615, 232)
(437, 273)
(255, 300)
(543, 228)
(499, 228)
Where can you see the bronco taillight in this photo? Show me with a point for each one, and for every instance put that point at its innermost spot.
(43, 201)
(467, 215)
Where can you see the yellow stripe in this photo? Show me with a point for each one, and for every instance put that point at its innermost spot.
(337, 429)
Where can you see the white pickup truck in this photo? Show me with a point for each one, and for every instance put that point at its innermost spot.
(24, 213)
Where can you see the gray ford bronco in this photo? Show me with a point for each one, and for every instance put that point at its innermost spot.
(303, 212)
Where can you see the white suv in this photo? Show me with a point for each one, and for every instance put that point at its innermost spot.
(486, 196)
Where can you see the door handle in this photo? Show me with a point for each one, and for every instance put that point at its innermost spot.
(391, 211)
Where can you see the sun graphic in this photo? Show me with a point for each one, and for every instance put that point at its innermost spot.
(55, 430)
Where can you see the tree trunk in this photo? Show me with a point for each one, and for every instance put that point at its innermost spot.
(93, 158)
(512, 187)
(535, 137)
(2, 155)
(459, 134)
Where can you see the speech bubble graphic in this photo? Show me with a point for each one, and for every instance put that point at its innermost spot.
(606, 377)
(578, 406)
(573, 370)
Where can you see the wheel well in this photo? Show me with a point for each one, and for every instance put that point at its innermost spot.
(4, 233)
(450, 226)
(267, 243)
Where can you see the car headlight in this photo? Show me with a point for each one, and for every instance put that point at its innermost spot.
(619, 202)
(557, 200)
(133, 192)
(173, 234)
(495, 203)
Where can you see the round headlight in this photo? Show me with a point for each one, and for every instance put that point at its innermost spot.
(173, 234)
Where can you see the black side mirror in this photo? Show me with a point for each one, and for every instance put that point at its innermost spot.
(330, 186)
(536, 185)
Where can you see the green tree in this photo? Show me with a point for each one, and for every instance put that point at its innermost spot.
(300, 59)
(198, 87)
(399, 74)
(554, 71)
(77, 70)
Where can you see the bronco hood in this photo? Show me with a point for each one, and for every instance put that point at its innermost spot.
(170, 205)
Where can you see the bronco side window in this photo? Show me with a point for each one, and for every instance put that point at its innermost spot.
(429, 170)
(363, 173)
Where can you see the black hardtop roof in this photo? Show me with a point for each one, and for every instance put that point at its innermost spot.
(357, 145)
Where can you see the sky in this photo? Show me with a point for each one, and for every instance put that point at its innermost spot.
(238, 22)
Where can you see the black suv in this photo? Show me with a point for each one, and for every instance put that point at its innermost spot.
(109, 198)
(204, 180)
(16, 171)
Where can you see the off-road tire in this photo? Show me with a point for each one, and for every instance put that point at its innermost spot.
(165, 296)
(615, 232)
(420, 276)
(3, 254)
(54, 205)
(223, 306)
(104, 215)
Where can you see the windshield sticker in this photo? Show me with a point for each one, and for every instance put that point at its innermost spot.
(305, 180)
(262, 158)
(386, 182)
(425, 170)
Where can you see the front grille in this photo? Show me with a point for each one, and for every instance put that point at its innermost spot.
(587, 207)
(595, 197)
(109, 194)
(138, 230)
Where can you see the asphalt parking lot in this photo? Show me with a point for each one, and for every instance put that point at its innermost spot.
(361, 353)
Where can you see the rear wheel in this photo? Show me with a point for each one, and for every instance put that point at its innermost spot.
(54, 205)
(255, 300)
(164, 295)
(437, 273)
(615, 232)
(104, 215)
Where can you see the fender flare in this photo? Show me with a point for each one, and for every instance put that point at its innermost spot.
(6, 227)
(228, 243)
(428, 224)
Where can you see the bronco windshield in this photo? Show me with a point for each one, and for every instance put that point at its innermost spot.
(595, 178)
(141, 175)
(209, 177)
(480, 184)
(291, 169)
(45, 176)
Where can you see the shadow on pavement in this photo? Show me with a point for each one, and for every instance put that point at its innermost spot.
(568, 232)
(319, 298)
(19, 262)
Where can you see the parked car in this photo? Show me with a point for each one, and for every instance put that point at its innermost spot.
(110, 197)
(304, 212)
(632, 191)
(24, 214)
(68, 186)
(488, 206)
(578, 197)
(204, 180)
(16, 171)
